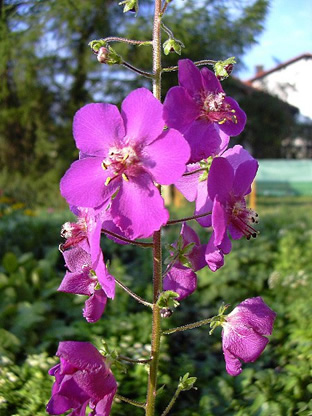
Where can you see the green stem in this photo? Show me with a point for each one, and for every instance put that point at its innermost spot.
(197, 63)
(137, 70)
(130, 401)
(125, 40)
(172, 402)
(132, 361)
(126, 240)
(134, 295)
(157, 260)
(185, 219)
(188, 326)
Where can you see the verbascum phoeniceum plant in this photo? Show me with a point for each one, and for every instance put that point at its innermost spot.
(115, 189)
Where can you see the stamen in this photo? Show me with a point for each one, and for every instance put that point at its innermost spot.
(108, 180)
(125, 177)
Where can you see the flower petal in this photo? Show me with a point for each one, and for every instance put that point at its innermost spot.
(94, 306)
(232, 364)
(77, 283)
(82, 355)
(142, 115)
(230, 127)
(181, 280)
(138, 209)
(219, 222)
(203, 204)
(167, 156)
(214, 256)
(187, 184)
(210, 81)
(244, 177)
(96, 127)
(84, 183)
(180, 110)
(189, 76)
(220, 179)
(203, 139)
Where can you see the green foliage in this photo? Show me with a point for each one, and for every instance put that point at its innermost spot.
(277, 266)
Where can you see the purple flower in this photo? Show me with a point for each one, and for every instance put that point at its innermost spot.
(200, 109)
(81, 379)
(121, 157)
(187, 257)
(82, 279)
(243, 330)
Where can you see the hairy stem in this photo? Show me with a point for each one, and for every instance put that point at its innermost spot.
(125, 40)
(134, 295)
(187, 327)
(126, 240)
(172, 402)
(157, 260)
(137, 70)
(197, 63)
(185, 219)
(132, 361)
(130, 401)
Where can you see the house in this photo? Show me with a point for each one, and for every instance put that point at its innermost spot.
(291, 82)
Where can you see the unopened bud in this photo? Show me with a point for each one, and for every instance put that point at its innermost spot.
(172, 45)
(224, 68)
(130, 6)
(102, 55)
(166, 312)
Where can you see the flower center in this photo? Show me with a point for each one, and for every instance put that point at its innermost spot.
(73, 232)
(214, 109)
(120, 160)
(242, 218)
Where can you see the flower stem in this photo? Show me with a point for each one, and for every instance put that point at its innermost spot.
(126, 240)
(134, 295)
(188, 326)
(157, 258)
(130, 401)
(125, 40)
(172, 402)
(185, 219)
(137, 70)
(130, 360)
(197, 63)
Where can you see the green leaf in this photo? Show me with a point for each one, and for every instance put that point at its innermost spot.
(10, 262)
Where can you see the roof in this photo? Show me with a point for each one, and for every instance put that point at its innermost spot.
(262, 74)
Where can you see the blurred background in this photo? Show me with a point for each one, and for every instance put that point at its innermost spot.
(47, 72)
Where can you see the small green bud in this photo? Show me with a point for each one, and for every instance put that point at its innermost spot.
(130, 6)
(172, 45)
(108, 56)
(224, 68)
(96, 44)
(186, 382)
(167, 300)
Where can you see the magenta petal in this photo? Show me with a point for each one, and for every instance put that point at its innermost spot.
(94, 306)
(103, 407)
(189, 235)
(237, 155)
(214, 256)
(203, 139)
(59, 404)
(220, 179)
(203, 204)
(181, 280)
(219, 222)
(187, 185)
(142, 114)
(244, 177)
(138, 209)
(189, 76)
(76, 259)
(180, 110)
(77, 283)
(210, 81)
(96, 127)
(82, 355)
(234, 128)
(106, 280)
(253, 312)
(97, 383)
(244, 343)
(167, 156)
(232, 364)
(84, 183)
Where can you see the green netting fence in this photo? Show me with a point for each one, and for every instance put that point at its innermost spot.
(284, 177)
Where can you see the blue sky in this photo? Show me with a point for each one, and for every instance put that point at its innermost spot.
(287, 33)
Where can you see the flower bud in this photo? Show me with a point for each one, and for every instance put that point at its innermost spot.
(130, 6)
(172, 45)
(102, 55)
(224, 68)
